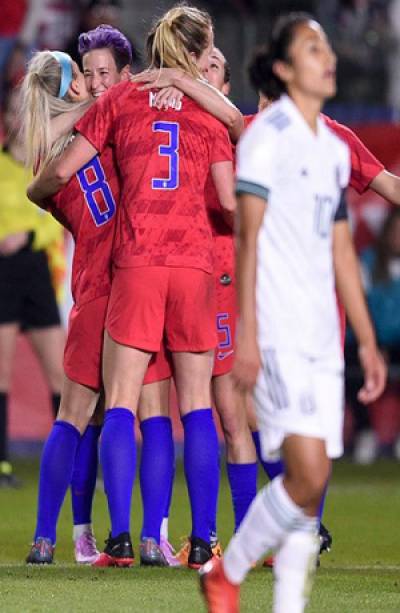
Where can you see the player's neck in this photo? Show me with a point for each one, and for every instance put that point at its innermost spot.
(309, 107)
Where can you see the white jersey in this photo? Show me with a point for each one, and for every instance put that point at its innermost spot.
(302, 175)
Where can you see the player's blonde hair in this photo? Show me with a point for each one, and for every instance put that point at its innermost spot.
(40, 104)
(181, 31)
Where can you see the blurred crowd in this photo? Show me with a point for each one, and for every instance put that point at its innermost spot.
(366, 35)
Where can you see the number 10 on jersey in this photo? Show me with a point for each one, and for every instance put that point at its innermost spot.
(171, 151)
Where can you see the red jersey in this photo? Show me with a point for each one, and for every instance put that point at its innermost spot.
(248, 119)
(222, 231)
(164, 158)
(86, 206)
(364, 165)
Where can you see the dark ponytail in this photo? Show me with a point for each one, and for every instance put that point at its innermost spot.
(261, 68)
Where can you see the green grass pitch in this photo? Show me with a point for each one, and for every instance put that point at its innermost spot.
(361, 574)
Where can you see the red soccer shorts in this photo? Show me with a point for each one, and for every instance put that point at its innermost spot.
(84, 346)
(151, 302)
(226, 324)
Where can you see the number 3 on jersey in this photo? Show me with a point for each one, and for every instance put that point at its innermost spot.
(98, 194)
(170, 151)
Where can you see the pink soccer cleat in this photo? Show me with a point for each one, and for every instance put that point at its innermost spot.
(169, 552)
(85, 549)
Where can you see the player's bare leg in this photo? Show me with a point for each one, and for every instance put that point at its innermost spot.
(8, 338)
(48, 344)
(240, 452)
(231, 407)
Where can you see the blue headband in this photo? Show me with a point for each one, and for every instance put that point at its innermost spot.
(65, 63)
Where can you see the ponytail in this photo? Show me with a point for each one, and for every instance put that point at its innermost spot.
(182, 31)
(40, 104)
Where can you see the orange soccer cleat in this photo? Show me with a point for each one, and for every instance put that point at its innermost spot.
(220, 594)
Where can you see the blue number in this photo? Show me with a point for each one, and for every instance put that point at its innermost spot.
(101, 209)
(171, 151)
(224, 328)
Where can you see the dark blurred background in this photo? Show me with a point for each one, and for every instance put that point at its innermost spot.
(366, 37)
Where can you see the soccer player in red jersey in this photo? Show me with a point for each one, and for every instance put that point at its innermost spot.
(230, 404)
(163, 260)
(106, 58)
(241, 459)
(86, 207)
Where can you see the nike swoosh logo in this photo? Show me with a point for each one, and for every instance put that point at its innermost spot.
(222, 356)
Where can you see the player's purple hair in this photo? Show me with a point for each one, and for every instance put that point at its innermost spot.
(106, 36)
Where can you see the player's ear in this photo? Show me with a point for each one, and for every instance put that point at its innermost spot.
(226, 89)
(125, 73)
(74, 89)
(283, 71)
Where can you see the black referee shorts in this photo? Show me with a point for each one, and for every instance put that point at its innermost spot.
(26, 292)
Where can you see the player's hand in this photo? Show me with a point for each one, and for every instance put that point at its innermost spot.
(247, 363)
(156, 78)
(168, 97)
(375, 373)
(13, 243)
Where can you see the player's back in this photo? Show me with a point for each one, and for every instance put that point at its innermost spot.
(164, 157)
(86, 206)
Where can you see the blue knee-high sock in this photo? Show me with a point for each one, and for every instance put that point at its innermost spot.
(322, 503)
(156, 472)
(118, 462)
(201, 463)
(84, 476)
(272, 469)
(171, 486)
(243, 483)
(56, 468)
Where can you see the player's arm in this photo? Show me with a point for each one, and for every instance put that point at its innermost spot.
(250, 213)
(60, 171)
(351, 294)
(387, 185)
(65, 122)
(200, 91)
(222, 174)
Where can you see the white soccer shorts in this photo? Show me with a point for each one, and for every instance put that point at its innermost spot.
(296, 394)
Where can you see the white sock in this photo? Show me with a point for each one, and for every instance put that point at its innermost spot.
(271, 516)
(164, 528)
(80, 529)
(294, 568)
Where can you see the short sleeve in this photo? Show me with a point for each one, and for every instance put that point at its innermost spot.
(221, 150)
(364, 165)
(256, 161)
(341, 211)
(97, 125)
